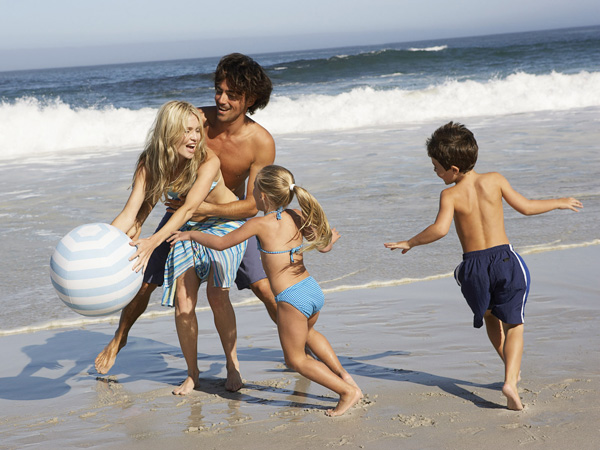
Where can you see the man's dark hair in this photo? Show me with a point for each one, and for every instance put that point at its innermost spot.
(453, 145)
(244, 76)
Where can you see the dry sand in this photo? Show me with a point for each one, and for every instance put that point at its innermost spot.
(431, 381)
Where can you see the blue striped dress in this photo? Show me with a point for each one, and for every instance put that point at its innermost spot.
(186, 254)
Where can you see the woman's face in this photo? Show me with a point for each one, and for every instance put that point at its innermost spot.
(191, 137)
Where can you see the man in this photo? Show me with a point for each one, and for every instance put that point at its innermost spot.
(243, 147)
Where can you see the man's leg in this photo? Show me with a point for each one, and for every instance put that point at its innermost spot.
(106, 358)
(251, 275)
(262, 289)
(225, 323)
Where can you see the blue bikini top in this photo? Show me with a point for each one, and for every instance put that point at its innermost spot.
(278, 212)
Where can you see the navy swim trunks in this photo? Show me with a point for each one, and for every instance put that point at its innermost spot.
(251, 269)
(496, 279)
(155, 270)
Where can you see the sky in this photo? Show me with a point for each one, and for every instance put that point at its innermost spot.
(60, 33)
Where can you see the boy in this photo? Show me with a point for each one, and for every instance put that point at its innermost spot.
(493, 278)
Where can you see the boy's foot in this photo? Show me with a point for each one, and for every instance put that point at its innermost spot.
(345, 403)
(186, 387)
(512, 396)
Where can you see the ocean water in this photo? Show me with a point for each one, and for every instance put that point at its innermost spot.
(351, 124)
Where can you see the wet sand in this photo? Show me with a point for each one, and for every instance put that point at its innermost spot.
(431, 381)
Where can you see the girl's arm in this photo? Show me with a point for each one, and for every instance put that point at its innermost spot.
(531, 207)
(235, 237)
(334, 237)
(206, 174)
(433, 232)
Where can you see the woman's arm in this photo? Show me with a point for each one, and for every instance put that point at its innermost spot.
(125, 221)
(206, 174)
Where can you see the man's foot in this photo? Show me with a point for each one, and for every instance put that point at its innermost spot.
(234, 380)
(512, 396)
(106, 358)
(188, 385)
(345, 403)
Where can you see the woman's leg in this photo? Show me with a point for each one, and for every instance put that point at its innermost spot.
(186, 297)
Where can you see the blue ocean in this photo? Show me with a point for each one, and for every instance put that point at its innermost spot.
(351, 123)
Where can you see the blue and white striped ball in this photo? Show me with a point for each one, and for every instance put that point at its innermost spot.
(91, 272)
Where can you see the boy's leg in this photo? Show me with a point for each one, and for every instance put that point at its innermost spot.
(495, 332)
(513, 354)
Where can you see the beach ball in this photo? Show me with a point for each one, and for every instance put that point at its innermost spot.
(91, 272)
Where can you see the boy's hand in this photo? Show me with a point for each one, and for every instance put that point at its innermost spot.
(570, 203)
(398, 245)
(178, 236)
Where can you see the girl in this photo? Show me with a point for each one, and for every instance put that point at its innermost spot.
(176, 163)
(299, 298)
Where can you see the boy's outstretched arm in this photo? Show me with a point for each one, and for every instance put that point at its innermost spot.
(433, 232)
(531, 207)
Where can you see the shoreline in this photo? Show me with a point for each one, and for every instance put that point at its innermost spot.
(79, 321)
(430, 380)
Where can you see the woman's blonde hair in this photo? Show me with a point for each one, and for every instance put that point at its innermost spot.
(160, 158)
(278, 185)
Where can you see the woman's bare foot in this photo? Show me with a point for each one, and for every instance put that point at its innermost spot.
(187, 386)
(512, 395)
(106, 358)
(345, 403)
(234, 380)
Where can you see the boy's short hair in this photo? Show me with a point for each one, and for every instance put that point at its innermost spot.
(246, 77)
(453, 145)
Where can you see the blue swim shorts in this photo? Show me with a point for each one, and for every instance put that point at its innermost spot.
(496, 279)
(251, 269)
(155, 270)
(306, 296)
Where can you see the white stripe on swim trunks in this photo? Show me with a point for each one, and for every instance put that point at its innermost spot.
(526, 282)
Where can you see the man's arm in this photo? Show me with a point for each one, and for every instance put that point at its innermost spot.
(245, 208)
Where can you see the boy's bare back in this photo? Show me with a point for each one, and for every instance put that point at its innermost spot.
(478, 211)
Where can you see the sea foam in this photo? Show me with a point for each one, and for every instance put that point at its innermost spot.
(31, 127)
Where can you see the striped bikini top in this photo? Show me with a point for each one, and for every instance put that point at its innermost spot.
(278, 212)
(175, 195)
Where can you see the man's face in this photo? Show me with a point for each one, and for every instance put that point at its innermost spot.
(230, 106)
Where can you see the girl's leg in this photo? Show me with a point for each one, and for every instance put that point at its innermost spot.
(513, 353)
(186, 296)
(322, 349)
(293, 328)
